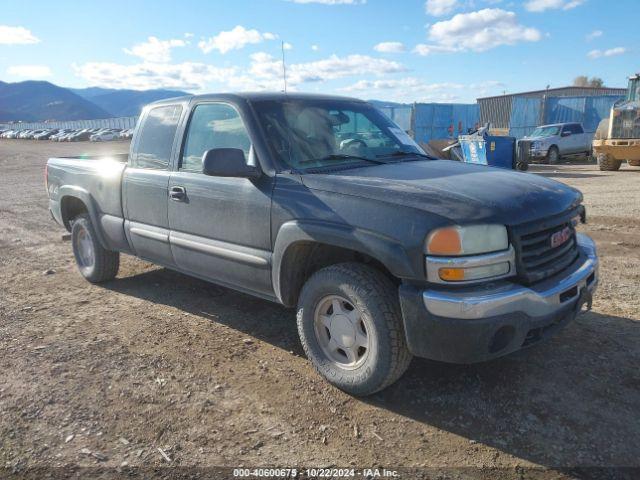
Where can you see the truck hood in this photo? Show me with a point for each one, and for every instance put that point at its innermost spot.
(460, 192)
(538, 139)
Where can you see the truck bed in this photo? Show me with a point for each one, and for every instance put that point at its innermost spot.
(97, 180)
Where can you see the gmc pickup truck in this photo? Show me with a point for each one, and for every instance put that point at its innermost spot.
(324, 204)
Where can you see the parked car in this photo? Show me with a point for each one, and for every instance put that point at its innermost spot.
(384, 251)
(80, 136)
(46, 135)
(549, 143)
(126, 134)
(105, 136)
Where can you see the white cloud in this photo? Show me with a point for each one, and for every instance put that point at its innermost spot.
(332, 2)
(595, 34)
(438, 8)
(478, 31)
(287, 46)
(542, 5)
(266, 67)
(412, 89)
(29, 71)
(234, 39)
(315, 48)
(155, 50)
(264, 73)
(16, 36)
(423, 49)
(143, 76)
(612, 52)
(390, 47)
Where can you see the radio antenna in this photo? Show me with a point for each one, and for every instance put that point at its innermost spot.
(284, 69)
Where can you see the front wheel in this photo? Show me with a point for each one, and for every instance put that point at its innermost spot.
(95, 263)
(350, 326)
(608, 163)
(553, 156)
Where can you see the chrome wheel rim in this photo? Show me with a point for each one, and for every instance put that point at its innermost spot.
(553, 156)
(343, 332)
(86, 253)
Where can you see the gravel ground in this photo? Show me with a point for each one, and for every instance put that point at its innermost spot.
(105, 376)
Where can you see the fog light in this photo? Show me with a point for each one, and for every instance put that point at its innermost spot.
(473, 273)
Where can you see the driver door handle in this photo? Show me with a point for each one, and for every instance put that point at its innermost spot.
(178, 194)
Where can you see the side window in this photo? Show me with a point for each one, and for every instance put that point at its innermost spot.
(576, 128)
(156, 137)
(213, 125)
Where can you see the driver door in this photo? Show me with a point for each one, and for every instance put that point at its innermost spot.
(220, 227)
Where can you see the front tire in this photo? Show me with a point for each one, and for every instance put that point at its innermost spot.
(608, 163)
(351, 328)
(95, 263)
(553, 156)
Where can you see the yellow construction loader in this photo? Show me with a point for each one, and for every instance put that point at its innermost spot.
(618, 137)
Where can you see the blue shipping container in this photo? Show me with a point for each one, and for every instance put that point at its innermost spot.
(443, 120)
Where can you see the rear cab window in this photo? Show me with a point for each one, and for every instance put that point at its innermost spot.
(156, 137)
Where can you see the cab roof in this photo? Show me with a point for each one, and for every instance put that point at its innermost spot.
(255, 96)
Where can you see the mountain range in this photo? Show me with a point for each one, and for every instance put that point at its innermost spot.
(33, 101)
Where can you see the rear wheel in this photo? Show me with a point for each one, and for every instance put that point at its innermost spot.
(95, 263)
(351, 328)
(608, 163)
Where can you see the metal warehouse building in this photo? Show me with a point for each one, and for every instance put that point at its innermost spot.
(521, 112)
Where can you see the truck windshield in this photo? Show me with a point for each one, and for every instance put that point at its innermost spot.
(309, 134)
(545, 132)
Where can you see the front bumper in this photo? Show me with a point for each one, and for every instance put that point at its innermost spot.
(478, 323)
(538, 153)
(620, 149)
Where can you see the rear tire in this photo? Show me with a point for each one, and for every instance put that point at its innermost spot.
(96, 264)
(351, 328)
(634, 163)
(608, 163)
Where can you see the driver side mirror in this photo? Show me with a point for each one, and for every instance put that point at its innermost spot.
(566, 133)
(227, 162)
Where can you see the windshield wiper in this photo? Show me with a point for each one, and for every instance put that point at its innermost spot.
(401, 153)
(344, 156)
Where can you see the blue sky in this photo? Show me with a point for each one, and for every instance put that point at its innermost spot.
(404, 50)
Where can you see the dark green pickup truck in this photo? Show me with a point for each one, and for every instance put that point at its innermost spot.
(324, 204)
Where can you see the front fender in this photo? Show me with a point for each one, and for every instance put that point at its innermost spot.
(384, 249)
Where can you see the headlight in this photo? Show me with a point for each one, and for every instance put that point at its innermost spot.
(536, 145)
(469, 240)
(469, 254)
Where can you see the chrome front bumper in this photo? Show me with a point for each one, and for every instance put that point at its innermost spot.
(500, 298)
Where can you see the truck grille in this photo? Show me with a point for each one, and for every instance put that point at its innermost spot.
(537, 256)
(626, 124)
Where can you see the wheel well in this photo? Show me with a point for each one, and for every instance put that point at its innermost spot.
(70, 208)
(303, 259)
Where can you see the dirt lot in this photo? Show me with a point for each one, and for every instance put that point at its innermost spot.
(100, 375)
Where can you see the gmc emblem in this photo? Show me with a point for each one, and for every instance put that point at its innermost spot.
(560, 237)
